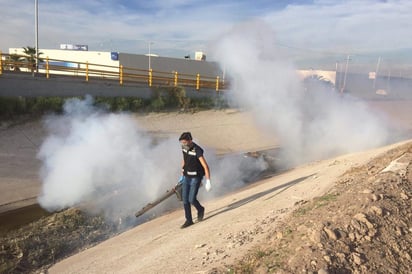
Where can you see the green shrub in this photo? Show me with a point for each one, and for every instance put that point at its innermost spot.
(14, 106)
(136, 104)
(163, 99)
(157, 104)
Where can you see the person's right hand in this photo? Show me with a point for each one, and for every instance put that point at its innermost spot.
(208, 185)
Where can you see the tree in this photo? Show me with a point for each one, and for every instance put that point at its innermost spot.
(14, 61)
(31, 57)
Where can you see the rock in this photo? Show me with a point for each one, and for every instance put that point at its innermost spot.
(358, 236)
(404, 196)
(372, 232)
(362, 218)
(341, 257)
(357, 258)
(367, 191)
(323, 271)
(377, 197)
(331, 234)
(315, 236)
(343, 246)
(377, 210)
(398, 231)
(200, 245)
(327, 259)
(356, 224)
(342, 234)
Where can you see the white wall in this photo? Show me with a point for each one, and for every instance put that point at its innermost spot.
(76, 56)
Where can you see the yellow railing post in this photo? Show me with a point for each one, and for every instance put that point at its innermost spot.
(150, 77)
(1, 63)
(87, 71)
(47, 67)
(175, 82)
(121, 74)
(197, 81)
(217, 83)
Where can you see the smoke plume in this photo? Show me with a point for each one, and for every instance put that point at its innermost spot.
(106, 164)
(310, 124)
(103, 161)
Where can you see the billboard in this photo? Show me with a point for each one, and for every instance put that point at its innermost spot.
(114, 56)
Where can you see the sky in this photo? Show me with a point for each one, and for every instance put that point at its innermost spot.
(175, 28)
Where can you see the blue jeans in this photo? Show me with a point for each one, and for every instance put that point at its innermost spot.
(190, 187)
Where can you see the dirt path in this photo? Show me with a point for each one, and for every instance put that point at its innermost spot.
(232, 225)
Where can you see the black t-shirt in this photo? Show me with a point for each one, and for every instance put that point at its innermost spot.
(192, 166)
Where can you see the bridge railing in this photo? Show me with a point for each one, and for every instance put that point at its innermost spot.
(48, 68)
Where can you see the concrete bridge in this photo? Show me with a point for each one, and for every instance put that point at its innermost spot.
(14, 84)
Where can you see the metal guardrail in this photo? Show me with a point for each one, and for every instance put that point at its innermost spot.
(124, 75)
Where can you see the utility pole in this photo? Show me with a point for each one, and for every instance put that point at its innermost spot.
(388, 85)
(346, 72)
(376, 72)
(336, 74)
(36, 32)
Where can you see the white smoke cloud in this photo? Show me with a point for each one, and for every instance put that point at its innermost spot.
(310, 124)
(106, 164)
(230, 172)
(103, 161)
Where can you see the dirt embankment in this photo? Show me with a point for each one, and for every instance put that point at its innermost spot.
(363, 225)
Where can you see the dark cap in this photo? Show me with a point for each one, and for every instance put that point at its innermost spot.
(185, 136)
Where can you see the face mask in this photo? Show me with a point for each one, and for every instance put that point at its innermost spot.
(186, 147)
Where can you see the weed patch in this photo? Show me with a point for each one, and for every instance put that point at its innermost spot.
(163, 99)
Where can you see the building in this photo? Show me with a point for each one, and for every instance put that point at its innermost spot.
(76, 56)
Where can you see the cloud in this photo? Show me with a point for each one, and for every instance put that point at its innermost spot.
(181, 26)
(344, 25)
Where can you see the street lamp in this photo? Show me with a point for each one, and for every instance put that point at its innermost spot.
(36, 32)
(376, 72)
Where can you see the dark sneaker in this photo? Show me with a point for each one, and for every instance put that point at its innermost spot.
(200, 215)
(186, 224)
